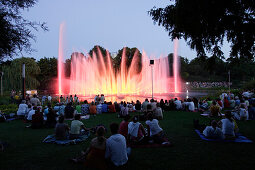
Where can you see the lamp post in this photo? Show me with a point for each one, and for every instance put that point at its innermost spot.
(2, 73)
(23, 80)
(151, 64)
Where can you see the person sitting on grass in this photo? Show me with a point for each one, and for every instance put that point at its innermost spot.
(244, 115)
(69, 111)
(158, 112)
(154, 130)
(37, 119)
(228, 126)
(213, 131)
(111, 107)
(94, 156)
(30, 113)
(116, 149)
(93, 109)
(51, 119)
(136, 132)
(22, 109)
(78, 108)
(76, 126)
(85, 108)
(61, 129)
(214, 110)
(104, 107)
(124, 110)
(123, 128)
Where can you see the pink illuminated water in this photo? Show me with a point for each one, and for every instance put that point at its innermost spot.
(92, 75)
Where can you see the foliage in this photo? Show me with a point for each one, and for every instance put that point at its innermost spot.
(12, 74)
(48, 67)
(249, 85)
(129, 53)
(206, 24)
(8, 108)
(15, 33)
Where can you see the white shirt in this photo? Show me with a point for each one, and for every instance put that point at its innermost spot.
(244, 113)
(30, 114)
(158, 112)
(228, 127)
(133, 128)
(154, 126)
(116, 149)
(76, 127)
(22, 109)
(213, 133)
(178, 104)
(49, 98)
(191, 106)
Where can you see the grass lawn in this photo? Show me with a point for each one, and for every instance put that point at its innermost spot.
(26, 150)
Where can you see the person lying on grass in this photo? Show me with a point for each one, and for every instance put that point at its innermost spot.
(213, 131)
(94, 156)
(76, 126)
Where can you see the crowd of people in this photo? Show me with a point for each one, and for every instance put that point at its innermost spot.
(196, 84)
(114, 151)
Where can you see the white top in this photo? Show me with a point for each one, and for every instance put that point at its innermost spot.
(191, 106)
(49, 98)
(116, 149)
(133, 128)
(124, 111)
(153, 106)
(76, 127)
(178, 104)
(228, 127)
(30, 114)
(22, 109)
(35, 101)
(102, 99)
(158, 112)
(154, 126)
(210, 132)
(244, 113)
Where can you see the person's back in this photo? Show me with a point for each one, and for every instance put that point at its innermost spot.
(51, 119)
(214, 109)
(30, 114)
(144, 105)
(228, 125)
(104, 108)
(123, 128)
(35, 101)
(37, 119)
(69, 111)
(99, 108)
(61, 129)
(213, 131)
(112, 108)
(22, 108)
(116, 147)
(178, 104)
(158, 113)
(138, 106)
(85, 108)
(78, 108)
(93, 109)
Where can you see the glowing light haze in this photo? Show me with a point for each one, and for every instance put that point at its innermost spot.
(91, 75)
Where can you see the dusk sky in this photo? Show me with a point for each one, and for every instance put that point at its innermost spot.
(112, 24)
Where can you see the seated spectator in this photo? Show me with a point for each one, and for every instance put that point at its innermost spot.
(116, 150)
(29, 108)
(136, 132)
(34, 100)
(76, 126)
(226, 103)
(51, 119)
(178, 104)
(213, 131)
(105, 108)
(22, 109)
(31, 113)
(117, 106)
(153, 105)
(92, 109)
(138, 106)
(203, 106)
(252, 111)
(144, 105)
(61, 129)
(158, 112)
(124, 110)
(37, 119)
(78, 107)
(123, 130)
(94, 156)
(111, 108)
(228, 126)
(69, 111)
(154, 130)
(232, 102)
(190, 105)
(85, 108)
(214, 110)
(162, 104)
(99, 108)
(61, 109)
(237, 101)
(149, 108)
(244, 115)
(219, 102)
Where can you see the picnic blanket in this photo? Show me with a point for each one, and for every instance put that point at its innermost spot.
(52, 139)
(207, 114)
(239, 138)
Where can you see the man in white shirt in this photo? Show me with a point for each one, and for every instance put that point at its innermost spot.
(35, 101)
(49, 99)
(178, 104)
(31, 113)
(22, 109)
(116, 149)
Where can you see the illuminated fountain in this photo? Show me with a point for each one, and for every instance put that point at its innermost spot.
(92, 75)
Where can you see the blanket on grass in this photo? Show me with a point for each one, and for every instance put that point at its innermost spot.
(152, 145)
(239, 138)
(52, 139)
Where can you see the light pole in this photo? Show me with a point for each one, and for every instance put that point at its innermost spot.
(2, 73)
(229, 81)
(23, 80)
(151, 64)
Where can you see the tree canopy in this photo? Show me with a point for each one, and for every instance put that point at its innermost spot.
(205, 24)
(15, 31)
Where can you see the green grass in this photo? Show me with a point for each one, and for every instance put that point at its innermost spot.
(26, 150)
